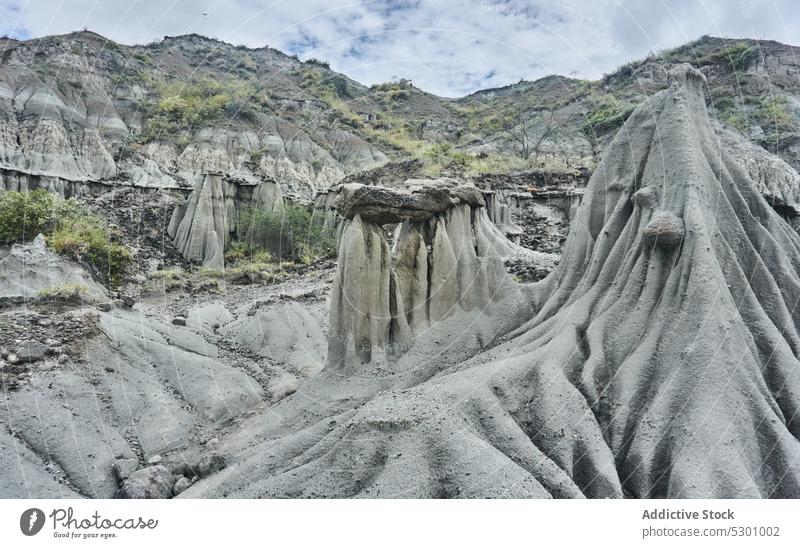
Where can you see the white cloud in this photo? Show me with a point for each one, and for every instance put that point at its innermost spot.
(448, 47)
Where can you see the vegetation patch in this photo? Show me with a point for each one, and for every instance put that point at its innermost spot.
(24, 215)
(607, 113)
(183, 106)
(64, 293)
(289, 233)
(70, 228)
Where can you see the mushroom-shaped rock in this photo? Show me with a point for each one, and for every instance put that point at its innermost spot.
(665, 229)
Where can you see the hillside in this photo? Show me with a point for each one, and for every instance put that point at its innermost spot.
(80, 107)
(226, 272)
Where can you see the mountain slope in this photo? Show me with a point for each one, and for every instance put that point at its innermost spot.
(80, 107)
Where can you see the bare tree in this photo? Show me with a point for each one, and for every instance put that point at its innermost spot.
(524, 133)
(549, 132)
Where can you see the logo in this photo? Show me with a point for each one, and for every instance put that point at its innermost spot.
(31, 521)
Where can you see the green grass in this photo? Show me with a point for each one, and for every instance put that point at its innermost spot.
(85, 238)
(182, 106)
(63, 293)
(735, 57)
(606, 113)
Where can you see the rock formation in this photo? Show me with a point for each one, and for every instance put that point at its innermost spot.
(659, 359)
(30, 269)
(499, 213)
(447, 256)
(202, 224)
(645, 367)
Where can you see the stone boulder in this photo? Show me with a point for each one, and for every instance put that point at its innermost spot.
(201, 226)
(31, 351)
(153, 482)
(415, 200)
(665, 230)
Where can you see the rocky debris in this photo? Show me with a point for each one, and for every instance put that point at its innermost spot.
(141, 217)
(209, 464)
(123, 468)
(533, 209)
(205, 465)
(45, 338)
(153, 482)
(155, 459)
(30, 351)
(538, 179)
(527, 271)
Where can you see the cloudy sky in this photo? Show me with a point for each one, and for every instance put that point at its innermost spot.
(448, 47)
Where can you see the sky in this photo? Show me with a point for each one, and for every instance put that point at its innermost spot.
(447, 47)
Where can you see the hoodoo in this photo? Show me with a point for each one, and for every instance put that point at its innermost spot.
(658, 360)
(446, 258)
(201, 225)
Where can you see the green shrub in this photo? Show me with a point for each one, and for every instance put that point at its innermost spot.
(738, 56)
(188, 105)
(393, 85)
(70, 228)
(318, 62)
(606, 113)
(443, 155)
(774, 112)
(23, 215)
(288, 233)
(84, 238)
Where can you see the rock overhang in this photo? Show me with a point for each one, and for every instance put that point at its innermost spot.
(415, 200)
